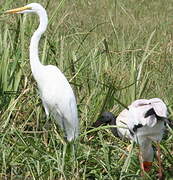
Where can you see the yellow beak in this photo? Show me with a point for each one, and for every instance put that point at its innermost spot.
(16, 10)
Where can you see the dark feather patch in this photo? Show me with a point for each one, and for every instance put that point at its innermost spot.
(136, 127)
(149, 113)
(131, 132)
(152, 112)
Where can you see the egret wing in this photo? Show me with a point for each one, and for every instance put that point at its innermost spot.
(159, 107)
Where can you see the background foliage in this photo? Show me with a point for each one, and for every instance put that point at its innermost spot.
(112, 52)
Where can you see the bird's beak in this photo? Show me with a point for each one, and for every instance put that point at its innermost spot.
(147, 166)
(16, 10)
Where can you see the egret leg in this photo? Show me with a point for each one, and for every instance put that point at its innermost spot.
(47, 124)
(46, 127)
(145, 165)
(158, 154)
(141, 163)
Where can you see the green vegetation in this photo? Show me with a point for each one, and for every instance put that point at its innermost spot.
(112, 52)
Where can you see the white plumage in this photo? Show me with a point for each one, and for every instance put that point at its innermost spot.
(143, 122)
(135, 116)
(143, 128)
(56, 93)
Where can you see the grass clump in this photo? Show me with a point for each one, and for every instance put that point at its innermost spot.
(112, 52)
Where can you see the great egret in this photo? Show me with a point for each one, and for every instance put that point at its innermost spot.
(56, 93)
(143, 122)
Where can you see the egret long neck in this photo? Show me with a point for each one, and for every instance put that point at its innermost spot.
(35, 63)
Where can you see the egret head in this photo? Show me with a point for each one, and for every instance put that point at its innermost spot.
(30, 8)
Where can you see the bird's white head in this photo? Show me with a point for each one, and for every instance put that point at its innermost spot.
(30, 8)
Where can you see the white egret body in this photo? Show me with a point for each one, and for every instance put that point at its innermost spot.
(56, 93)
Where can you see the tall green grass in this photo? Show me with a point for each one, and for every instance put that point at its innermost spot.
(112, 52)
